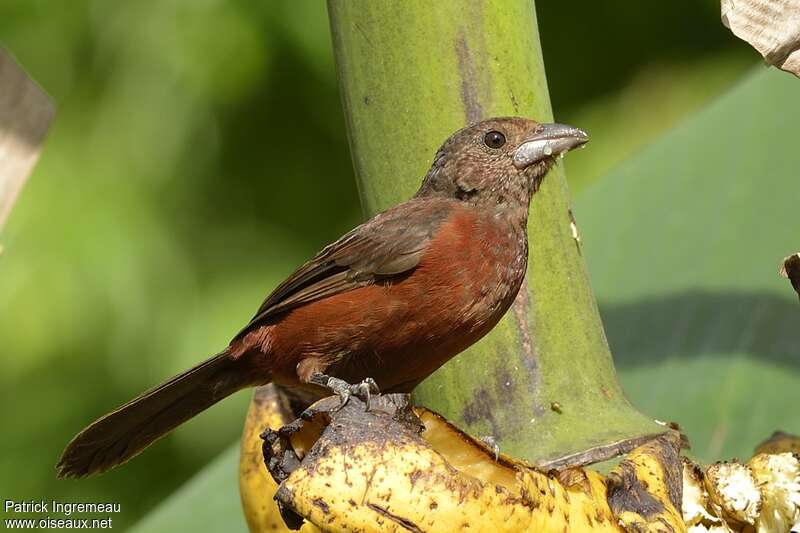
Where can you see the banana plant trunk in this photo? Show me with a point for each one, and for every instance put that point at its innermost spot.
(542, 384)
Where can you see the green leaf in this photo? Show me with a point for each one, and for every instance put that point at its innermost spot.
(683, 244)
(207, 502)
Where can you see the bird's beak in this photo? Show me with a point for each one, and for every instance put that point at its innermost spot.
(549, 140)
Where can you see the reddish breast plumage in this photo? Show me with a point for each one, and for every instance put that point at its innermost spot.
(408, 326)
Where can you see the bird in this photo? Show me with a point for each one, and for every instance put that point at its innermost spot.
(379, 309)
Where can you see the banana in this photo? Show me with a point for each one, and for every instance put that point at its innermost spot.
(268, 409)
(645, 489)
(780, 442)
(402, 468)
(397, 469)
(762, 495)
(778, 479)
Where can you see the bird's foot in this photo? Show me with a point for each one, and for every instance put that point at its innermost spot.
(345, 390)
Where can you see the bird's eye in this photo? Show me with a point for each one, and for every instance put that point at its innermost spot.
(494, 139)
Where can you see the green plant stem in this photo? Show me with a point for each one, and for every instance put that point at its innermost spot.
(411, 72)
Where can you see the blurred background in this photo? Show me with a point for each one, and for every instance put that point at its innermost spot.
(174, 192)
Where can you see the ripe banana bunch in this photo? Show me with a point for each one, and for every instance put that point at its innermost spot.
(402, 468)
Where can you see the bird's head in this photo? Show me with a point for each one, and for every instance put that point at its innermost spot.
(498, 160)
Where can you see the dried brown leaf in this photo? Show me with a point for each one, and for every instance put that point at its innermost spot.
(25, 114)
(791, 269)
(771, 26)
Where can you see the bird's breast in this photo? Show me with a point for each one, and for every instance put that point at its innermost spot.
(477, 261)
(465, 282)
(401, 329)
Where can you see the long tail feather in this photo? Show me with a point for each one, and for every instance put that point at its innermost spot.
(120, 435)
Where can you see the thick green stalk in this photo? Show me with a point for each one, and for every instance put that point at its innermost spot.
(413, 71)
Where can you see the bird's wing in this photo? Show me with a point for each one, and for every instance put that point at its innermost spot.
(387, 245)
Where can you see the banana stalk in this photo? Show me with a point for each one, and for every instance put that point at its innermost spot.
(411, 72)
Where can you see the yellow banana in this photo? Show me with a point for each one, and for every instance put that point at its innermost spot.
(381, 471)
(397, 468)
(268, 409)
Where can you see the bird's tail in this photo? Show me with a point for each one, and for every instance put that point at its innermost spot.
(121, 434)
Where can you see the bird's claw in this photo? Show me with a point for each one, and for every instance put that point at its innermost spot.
(344, 390)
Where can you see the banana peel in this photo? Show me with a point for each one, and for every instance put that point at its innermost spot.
(762, 495)
(398, 468)
(780, 442)
(645, 490)
(268, 409)
(403, 468)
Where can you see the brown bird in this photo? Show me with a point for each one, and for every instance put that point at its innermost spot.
(386, 304)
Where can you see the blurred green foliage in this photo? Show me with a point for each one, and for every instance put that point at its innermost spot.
(683, 243)
(198, 156)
